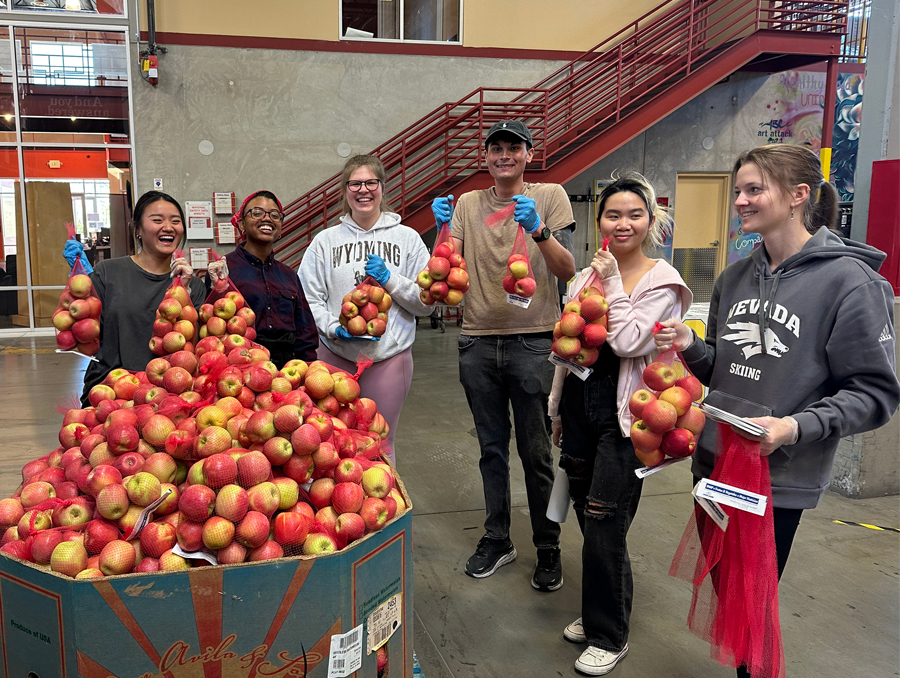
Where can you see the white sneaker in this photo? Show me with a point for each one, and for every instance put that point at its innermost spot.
(596, 662)
(574, 632)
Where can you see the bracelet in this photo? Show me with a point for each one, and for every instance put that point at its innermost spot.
(795, 430)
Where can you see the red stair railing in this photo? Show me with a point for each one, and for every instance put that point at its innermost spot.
(568, 108)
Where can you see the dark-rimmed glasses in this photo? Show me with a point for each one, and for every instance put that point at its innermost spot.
(356, 186)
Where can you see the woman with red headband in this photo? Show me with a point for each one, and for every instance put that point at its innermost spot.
(284, 323)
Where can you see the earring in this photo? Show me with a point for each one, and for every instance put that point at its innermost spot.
(792, 212)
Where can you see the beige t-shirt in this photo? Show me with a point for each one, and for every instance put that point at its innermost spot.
(486, 251)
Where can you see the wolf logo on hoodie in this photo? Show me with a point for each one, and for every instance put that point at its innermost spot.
(747, 335)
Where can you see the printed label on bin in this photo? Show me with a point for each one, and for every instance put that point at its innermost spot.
(203, 554)
(383, 622)
(645, 471)
(712, 509)
(581, 372)
(345, 656)
(729, 495)
(516, 300)
(144, 516)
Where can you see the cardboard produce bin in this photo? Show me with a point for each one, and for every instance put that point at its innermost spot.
(252, 620)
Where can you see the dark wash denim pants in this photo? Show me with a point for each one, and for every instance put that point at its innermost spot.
(600, 463)
(497, 371)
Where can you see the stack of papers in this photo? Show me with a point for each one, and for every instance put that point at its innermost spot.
(724, 417)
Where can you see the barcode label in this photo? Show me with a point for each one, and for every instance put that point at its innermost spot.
(346, 653)
(144, 516)
(645, 471)
(516, 300)
(383, 621)
(581, 372)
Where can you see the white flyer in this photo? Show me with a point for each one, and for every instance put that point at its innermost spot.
(645, 471)
(384, 620)
(516, 300)
(581, 372)
(729, 495)
(345, 656)
(712, 509)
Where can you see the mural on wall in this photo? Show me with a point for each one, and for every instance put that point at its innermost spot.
(795, 115)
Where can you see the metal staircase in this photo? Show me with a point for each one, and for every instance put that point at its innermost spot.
(588, 108)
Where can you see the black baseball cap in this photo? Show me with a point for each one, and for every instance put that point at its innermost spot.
(514, 128)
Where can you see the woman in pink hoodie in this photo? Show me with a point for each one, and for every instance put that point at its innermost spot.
(592, 419)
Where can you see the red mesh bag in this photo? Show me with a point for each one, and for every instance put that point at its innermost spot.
(364, 310)
(581, 329)
(519, 281)
(735, 572)
(239, 320)
(77, 316)
(175, 327)
(445, 279)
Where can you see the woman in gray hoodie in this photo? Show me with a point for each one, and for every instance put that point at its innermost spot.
(368, 241)
(800, 336)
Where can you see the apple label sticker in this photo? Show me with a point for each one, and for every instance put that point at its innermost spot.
(714, 511)
(204, 554)
(578, 370)
(516, 300)
(144, 516)
(383, 621)
(345, 656)
(645, 471)
(743, 500)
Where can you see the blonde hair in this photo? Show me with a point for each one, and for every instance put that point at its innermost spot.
(661, 223)
(353, 164)
(788, 166)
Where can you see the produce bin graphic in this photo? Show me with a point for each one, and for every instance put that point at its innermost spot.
(253, 620)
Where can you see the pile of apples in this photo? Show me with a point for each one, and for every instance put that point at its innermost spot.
(175, 327)
(581, 329)
(246, 461)
(667, 423)
(445, 279)
(364, 311)
(518, 279)
(228, 316)
(77, 317)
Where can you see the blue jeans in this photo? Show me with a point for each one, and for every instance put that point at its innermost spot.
(496, 372)
(600, 463)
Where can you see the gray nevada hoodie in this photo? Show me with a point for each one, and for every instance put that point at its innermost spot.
(813, 339)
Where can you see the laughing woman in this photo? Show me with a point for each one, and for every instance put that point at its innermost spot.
(369, 241)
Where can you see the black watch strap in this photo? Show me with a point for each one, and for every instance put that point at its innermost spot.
(542, 234)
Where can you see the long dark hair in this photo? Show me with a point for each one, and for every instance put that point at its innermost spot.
(140, 207)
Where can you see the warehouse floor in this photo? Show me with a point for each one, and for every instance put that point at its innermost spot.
(840, 599)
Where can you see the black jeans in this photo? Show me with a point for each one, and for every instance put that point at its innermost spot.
(786, 522)
(600, 463)
(497, 371)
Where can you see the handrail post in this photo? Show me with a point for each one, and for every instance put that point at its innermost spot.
(402, 175)
(690, 49)
(619, 84)
(546, 139)
(759, 14)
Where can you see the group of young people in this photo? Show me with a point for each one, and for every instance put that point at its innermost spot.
(807, 311)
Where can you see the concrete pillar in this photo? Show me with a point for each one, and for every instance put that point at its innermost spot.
(879, 137)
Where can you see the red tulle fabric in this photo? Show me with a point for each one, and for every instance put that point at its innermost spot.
(735, 572)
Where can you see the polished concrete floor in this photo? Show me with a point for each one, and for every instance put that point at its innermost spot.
(840, 598)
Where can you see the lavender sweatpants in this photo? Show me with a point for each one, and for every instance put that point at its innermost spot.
(386, 382)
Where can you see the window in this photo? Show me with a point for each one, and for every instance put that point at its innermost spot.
(407, 20)
(114, 7)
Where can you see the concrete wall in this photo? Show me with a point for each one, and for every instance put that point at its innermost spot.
(275, 117)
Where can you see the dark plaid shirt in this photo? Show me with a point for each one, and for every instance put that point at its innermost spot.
(284, 323)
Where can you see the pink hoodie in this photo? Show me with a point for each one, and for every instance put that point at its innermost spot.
(660, 294)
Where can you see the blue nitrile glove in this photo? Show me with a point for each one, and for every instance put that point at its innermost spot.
(526, 213)
(443, 210)
(376, 268)
(341, 333)
(73, 251)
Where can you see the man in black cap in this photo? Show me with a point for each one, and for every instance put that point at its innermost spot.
(504, 347)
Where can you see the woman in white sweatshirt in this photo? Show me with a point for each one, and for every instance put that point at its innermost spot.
(368, 241)
(593, 416)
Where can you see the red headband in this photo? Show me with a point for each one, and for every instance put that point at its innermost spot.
(237, 216)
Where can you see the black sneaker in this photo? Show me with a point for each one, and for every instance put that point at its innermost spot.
(548, 572)
(490, 554)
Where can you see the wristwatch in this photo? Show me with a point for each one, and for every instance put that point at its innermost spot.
(541, 234)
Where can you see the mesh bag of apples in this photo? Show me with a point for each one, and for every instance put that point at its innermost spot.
(241, 462)
(77, 316)
(364, 310)
(667, 422)
(225, 312)
(519, 282)
(445, 279)
(175, 327)
(581, 329)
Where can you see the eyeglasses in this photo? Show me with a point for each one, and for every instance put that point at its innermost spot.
(370, 184)
(259, 213)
